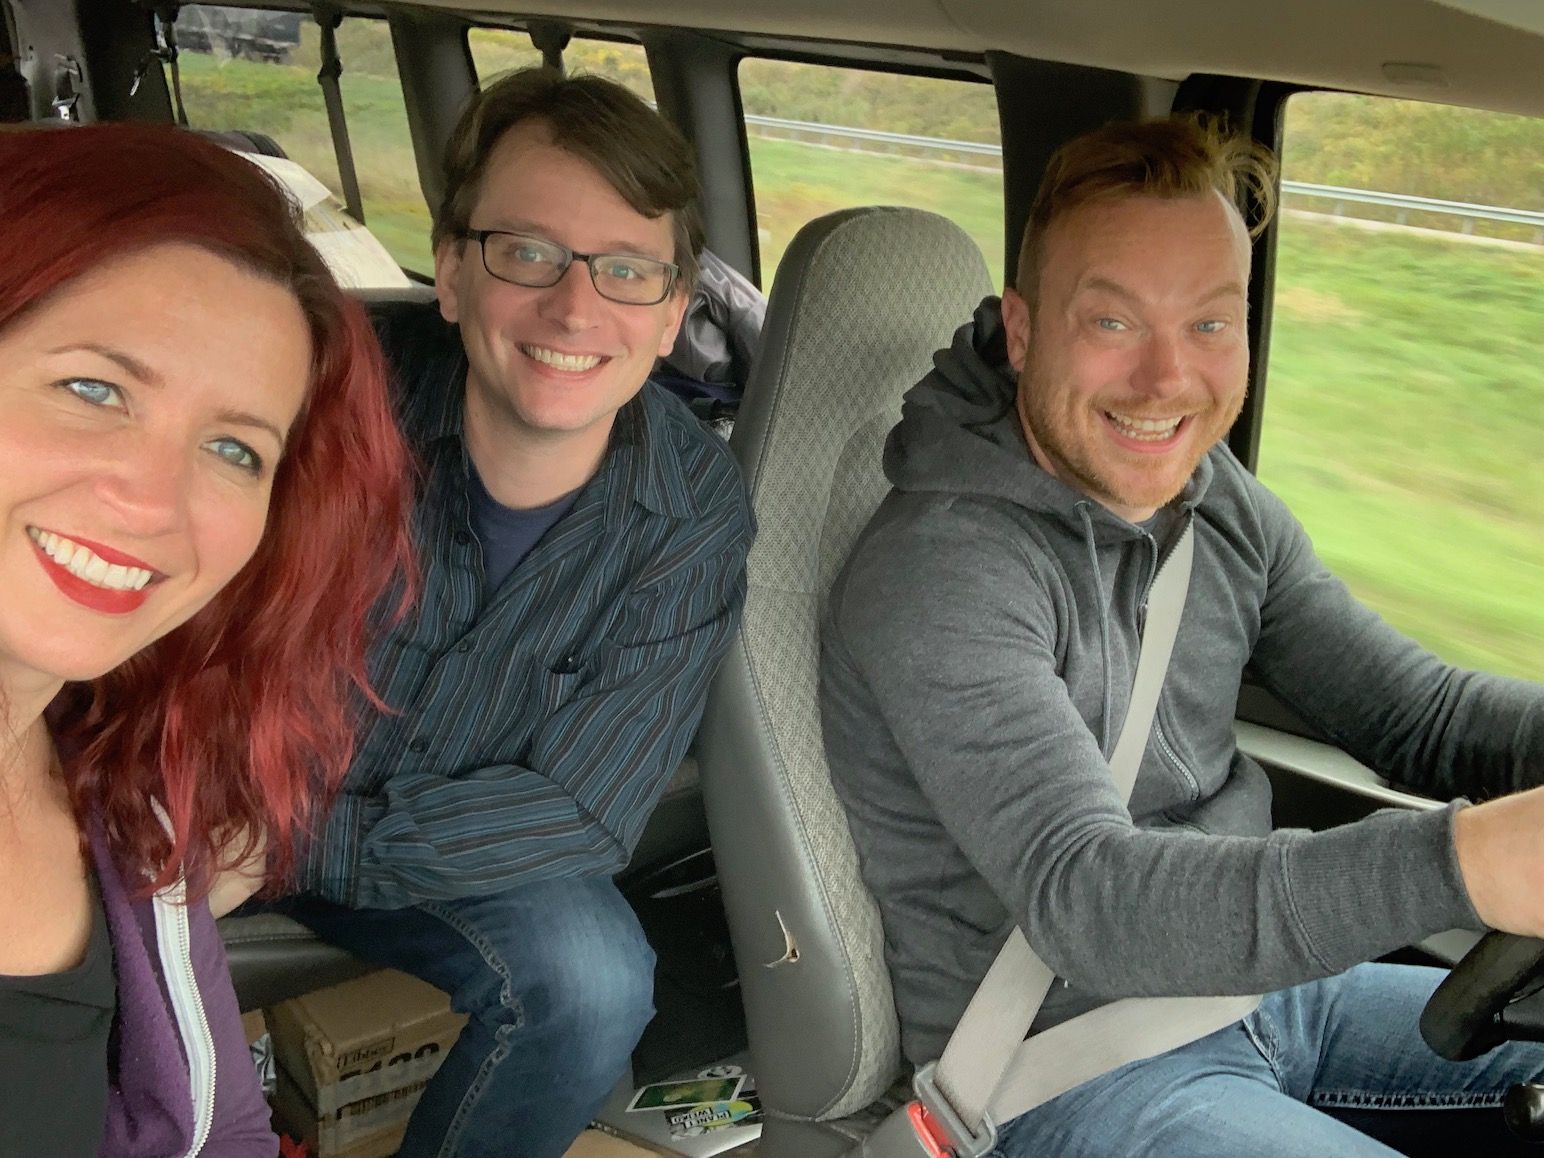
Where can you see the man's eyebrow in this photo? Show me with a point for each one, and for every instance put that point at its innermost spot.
(128, 362)
(632, 248)
(1105, 285)
(1228, 289)
(1115, 289)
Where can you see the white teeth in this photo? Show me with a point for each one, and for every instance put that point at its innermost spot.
(1145, 429)
(561, 361)
(84, 564)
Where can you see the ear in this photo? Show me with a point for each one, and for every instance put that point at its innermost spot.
(1016, 328)
(447, 273)
(675, 305)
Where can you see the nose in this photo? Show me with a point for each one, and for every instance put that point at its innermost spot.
(1162, 370)
(572, 302)
(145, 486)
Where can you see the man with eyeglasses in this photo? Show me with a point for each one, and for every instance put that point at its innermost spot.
(583, 543)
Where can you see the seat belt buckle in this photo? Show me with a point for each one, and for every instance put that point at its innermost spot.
(907, 1132)
(938, 1117)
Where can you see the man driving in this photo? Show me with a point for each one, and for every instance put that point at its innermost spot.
(978, 658)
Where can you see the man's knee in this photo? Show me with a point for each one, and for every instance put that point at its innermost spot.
(560, 957)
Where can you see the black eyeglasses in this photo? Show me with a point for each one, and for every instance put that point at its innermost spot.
(535, 262)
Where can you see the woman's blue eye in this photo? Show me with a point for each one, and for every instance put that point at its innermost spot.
(237, 453)
(95, 392)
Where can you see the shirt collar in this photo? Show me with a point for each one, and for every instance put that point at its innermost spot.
(643, 461)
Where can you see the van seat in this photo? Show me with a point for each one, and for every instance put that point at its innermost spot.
(862, 300)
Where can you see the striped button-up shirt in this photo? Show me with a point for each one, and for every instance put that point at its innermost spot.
(534, 727)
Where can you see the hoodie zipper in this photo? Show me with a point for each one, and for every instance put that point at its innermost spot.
(1192, 784)
(174, 941)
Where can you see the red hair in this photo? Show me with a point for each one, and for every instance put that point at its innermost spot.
(244, 717)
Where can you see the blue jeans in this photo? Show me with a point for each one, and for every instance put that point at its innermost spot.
(557, 982)
(1333, 1067)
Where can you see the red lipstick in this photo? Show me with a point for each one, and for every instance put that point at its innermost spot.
(104, 599)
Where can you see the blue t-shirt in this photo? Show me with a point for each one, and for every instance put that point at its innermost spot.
(506, 534)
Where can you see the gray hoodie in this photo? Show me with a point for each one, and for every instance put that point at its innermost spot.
(978, 655)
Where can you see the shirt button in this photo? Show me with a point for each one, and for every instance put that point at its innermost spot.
(464, 646)
(419, 744)
(464, 538)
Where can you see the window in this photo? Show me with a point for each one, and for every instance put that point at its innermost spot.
(499, 50)
(824, 138)
(1405, 404)
(255, 71)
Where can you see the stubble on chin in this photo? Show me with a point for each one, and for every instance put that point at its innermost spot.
(1070, 461)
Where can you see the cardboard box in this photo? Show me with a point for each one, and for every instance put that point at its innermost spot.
(294, 1117)
(594, 1144)
(353, 1060)
(254, 1025)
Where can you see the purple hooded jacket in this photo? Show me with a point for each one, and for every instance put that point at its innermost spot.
(181, 1081)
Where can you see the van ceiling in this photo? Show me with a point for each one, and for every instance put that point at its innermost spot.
(1485, 53)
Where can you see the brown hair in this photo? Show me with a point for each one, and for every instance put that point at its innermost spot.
(1177, 156)
(638, 152)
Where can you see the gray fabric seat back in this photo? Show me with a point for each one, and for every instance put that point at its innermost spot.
(862, 300)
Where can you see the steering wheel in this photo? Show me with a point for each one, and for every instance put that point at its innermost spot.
(1467, 1015)
(1495, 993)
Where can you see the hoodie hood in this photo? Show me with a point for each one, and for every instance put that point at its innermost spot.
(959, 434)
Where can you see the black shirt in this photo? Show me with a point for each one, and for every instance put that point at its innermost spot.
(53, 1053)
(506, 533)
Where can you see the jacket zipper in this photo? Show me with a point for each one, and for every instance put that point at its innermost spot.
(1192, 783)
(1158, 566)
(175, 944)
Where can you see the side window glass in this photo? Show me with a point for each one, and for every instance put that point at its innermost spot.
(1406, 374)
(500, 50)
(824, 138)
(394, 204)
(251, 70)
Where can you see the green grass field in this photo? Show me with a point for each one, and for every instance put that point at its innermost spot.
(1405, 401)
(797, 182)
(1403, 413)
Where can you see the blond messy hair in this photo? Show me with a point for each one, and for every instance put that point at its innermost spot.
(1170, 157)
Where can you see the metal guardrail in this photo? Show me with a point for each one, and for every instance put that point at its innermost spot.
(1406, 204)
(855, 134)
(1402, 203)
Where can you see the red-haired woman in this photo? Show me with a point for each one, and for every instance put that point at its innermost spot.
(202, 494)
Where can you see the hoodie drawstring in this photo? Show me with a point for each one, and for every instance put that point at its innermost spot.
(1104, 625)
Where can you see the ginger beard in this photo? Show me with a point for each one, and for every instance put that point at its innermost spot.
(1133, 361)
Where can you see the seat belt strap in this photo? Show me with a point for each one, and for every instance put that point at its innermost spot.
(988, 1072)
(1085, 1047)
(328, 19)
(1004, 1005)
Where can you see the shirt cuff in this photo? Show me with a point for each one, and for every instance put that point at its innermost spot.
(330, 869)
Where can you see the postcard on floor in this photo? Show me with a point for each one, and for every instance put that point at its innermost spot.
(696, 1121)
(665, 1095)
